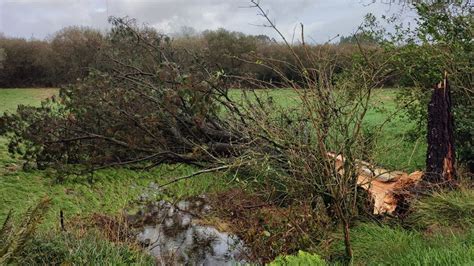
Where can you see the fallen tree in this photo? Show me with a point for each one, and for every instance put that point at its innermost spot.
(384, 186)
(141, 108)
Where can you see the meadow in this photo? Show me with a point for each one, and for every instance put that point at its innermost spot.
(393, 149)
(426, 242)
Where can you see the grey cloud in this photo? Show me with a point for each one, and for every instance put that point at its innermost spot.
(323, 18)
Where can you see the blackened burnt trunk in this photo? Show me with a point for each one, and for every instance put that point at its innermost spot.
(440, 156)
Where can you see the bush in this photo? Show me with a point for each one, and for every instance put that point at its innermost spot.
(302, 258)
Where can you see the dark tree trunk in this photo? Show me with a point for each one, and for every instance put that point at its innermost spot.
(440, 155)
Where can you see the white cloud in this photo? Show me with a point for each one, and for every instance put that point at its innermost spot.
(323, 18)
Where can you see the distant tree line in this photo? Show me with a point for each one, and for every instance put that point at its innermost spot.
(60, 59)
(70, 54)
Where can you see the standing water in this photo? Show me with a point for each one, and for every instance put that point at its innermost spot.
(173, 236)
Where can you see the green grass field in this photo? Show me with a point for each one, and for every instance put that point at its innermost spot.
(392, 148)
(11, 98)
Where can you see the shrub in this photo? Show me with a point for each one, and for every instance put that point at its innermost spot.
(26, 63)
(302, 258)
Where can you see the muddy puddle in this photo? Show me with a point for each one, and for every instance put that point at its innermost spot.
(172, 233)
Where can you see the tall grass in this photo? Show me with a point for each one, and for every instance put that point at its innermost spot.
(452, 208)
(383, 245)
(90, 249)
(111, 192)
(441, 233)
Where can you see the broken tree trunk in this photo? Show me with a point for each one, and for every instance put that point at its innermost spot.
(383, 186)
(440, 155)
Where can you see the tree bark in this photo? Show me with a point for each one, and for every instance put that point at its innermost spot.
(440, 157)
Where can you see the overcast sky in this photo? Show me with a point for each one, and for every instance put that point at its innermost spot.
(323, 19)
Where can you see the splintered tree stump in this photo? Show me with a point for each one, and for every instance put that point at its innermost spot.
(440, 157)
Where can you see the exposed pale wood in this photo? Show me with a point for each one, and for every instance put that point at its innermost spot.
(381, 184)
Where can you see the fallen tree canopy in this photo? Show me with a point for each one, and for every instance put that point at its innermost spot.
(141, 108)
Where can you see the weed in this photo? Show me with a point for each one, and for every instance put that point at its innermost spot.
(13, 239)
(62, 248)
(302, 258)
